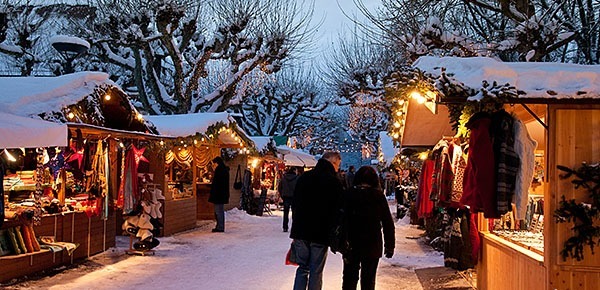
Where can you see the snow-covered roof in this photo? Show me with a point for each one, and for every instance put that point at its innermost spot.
(387, 147)
(29, 96)
(24, 132)
(69, 39)
(261, 142)
(535, 79)
(295, 157)
(187, 124)
(184, 125)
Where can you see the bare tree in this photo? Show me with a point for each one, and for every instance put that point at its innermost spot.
(524, 30)
(171, 46)
(281, 103)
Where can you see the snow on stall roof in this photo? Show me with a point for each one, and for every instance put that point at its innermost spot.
(296, 157)
(387, 147)
(18, 131)
(261, 142)
(536, 79)
(69, 39)
(29, 96)
(186, 124)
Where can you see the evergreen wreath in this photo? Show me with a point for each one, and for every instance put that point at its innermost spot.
(582, 215)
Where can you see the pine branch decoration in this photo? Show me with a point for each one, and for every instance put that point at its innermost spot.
(582, 215)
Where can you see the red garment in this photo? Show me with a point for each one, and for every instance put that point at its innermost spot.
(479, 186)
(474, 236)
(424, 204)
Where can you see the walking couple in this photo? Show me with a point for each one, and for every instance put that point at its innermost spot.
(316, 201)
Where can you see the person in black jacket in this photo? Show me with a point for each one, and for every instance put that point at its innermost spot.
(315, 205)
(367, 212)
(286, 190)
(219, 192)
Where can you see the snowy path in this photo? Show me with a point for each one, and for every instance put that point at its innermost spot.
(249, 255)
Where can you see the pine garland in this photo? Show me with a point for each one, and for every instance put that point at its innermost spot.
(582, 215)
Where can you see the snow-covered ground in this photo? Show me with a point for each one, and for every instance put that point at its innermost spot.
(249, 255)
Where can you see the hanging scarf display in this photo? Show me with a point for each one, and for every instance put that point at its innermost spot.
(96, 182)
(129, 194)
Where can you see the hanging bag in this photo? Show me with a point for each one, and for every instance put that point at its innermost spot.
(291, 258)
(237, 182)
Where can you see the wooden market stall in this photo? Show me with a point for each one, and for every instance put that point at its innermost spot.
(559, 104)
(73, 188)
(198, 138)
(265, 170)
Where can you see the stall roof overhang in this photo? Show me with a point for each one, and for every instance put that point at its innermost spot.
(91, 131)
(184, 125)
(295, 157)
(24, 132)
(423, 128)
(537, 82)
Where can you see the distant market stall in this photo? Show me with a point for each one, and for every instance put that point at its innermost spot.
(259, 191)
(548, 114)
(296, 157)
(198, 138)
(60, 185)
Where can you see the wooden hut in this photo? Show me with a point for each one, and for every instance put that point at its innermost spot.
(198, 138)
(559, 104)
(89, 109)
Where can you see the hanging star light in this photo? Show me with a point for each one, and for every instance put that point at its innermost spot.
(139, 155)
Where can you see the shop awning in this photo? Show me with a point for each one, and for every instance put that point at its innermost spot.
(295, 157)
(423, 128)
(23, 132)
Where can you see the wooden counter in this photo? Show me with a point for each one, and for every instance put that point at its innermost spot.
(179, 215)
(504, 265)
(93, 234)
(205, 210)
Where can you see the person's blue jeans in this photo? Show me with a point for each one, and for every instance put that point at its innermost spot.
(287, 204)
(220, 216)
(311, 259)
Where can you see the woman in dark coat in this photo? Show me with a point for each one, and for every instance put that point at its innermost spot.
(367, 213)
(219, 192)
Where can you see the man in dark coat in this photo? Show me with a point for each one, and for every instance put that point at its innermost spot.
(219, 192)
(286, 190)
(316, 200)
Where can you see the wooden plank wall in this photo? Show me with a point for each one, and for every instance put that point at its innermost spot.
(574, 138)
(180, 215)
(234, 194)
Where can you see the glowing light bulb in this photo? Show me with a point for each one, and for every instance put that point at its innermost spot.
(107, 97)
(71, 115)
(418, 97)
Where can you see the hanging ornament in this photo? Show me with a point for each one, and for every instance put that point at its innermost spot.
(138, 155)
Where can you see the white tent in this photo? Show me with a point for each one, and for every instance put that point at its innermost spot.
(23, 132)
(295, 157)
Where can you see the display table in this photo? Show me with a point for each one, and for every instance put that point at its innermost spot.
(520, 268)
(93, 234)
